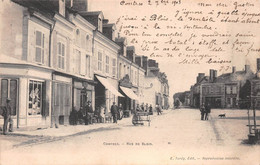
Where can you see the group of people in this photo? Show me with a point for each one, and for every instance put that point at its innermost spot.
(144, 108)
(86, 115)
(204, 111)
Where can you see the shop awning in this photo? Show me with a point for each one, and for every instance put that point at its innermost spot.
(108, 86)
(130, 93)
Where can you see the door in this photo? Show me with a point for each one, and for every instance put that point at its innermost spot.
(9, 89)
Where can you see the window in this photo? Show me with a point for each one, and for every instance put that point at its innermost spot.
(39, 47)
(114, 66)
(234, 89)
(107, 64)
(78, 37)
(35, 97)
(120, 71)
(87, 65)
(99, 61)
(77, 62)
(61, 55)
(131, 75)
(99, 24)
(136, 78)
(228, 90)
(88, 44)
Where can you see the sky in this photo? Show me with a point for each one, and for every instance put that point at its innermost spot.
(181, 77)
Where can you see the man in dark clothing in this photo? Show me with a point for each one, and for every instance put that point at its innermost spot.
(89, 113)
(151, 110)
(202, 111)
(114, 111)
(207, 111)
(7, 117)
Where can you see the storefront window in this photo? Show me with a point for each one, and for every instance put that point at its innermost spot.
(35, 97)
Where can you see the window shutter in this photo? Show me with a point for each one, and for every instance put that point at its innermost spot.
(54, 56)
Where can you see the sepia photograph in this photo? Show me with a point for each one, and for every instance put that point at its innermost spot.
(129, 82)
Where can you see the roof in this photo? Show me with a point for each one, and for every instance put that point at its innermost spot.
(45, 7)
(120, 39)
(234, 77)
(108, 25)
(91, 13)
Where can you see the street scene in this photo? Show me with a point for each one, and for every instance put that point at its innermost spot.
(184, 139)
(129, 82)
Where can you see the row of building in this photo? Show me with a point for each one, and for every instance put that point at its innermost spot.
(238, 89)
(56, 55)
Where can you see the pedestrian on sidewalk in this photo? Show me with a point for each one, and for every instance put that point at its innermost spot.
(158, 109)
(202, 111)
(207, 111)
(151, 110)
(7, 117)
(114, 111)
(89, 113)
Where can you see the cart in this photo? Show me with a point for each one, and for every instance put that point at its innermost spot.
(140, 117)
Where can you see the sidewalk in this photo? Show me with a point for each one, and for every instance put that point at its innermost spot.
(67, 130)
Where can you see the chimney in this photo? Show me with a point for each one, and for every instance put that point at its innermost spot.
(258, 64)
(247, 68)
(233, 69)
(62, 7)
(215, 74)
(145, 62)
(80, 5)
(200, 76)
(105, 21)
(138, 60)
(130, 51)
(211, 73)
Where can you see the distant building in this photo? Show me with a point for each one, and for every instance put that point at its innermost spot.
(195, 91)
(224, 91)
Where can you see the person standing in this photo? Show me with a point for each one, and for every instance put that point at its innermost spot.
(146, 108)
(114, 111)
(120, 111)
(89, 113)
(151, 110)
(158, 109)
(207, 111)
(202, 111)
(7, 117)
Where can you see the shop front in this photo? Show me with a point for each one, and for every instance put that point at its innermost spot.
(62, 99)
(83, 92)
(105, 93)
(129, 101)
(29, 89)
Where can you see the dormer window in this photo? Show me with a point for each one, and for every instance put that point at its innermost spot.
(100, 26)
